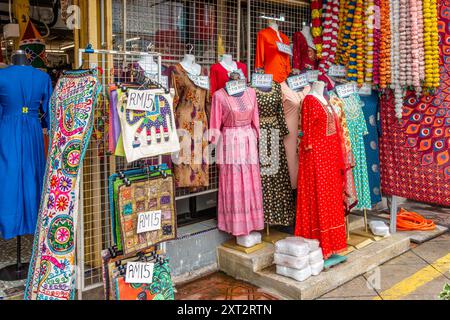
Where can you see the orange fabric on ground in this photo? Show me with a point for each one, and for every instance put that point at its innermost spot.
(268, 57)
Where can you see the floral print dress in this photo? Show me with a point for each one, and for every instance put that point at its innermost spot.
(191, 165)
(278, 199)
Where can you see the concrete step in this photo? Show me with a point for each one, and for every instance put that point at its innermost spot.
(258, 269)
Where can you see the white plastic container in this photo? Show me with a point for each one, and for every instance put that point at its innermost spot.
(291, 261)
(315, 256)
(249, 241)
(379, 228)
(312, 243)
(299, 275)
(317, 268)
(296, 248)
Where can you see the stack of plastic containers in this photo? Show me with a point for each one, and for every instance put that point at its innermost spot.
(298, 258)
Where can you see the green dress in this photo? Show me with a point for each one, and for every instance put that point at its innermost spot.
(358, 129)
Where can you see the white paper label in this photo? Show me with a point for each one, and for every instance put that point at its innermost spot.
(284, 48)
(234, 87)
(164, 79)
(262, 80)
(337, 71)
(139, 272)
(149, 221)
(344, 90)
(365, 90)
(298, 82)
(141, 100)
(313, 75)
(200, 81)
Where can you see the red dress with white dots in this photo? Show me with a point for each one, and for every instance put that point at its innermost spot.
(320, 210)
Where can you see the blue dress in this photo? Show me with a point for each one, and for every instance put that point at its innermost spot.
(372, 115)
(23, 91)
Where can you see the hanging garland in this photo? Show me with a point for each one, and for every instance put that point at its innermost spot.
(369, 28)
(403, 42)
(316, 30)
(355, 68)
(415, 64)
(376, 42)
(385, 45)
(431, 44)
(330, 35)
(420, 40)
(346, 43)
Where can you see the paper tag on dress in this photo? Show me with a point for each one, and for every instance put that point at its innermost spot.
(284, 48)
(164, 79)
(141, 100)
(345, 90)
(139, 272)
(200, 81)
(235, 87)
(262, 80)
(298, 82)
(149, 221)
(313, 75)
(365, 90)
(337, 71)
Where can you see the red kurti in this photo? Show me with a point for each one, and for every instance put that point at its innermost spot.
(320, 211)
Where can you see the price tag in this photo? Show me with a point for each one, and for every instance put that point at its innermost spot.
(262, 80)
(141, 100)
(344, 90)
(365, 90)
(149, 221)
(284, 48)
(298, 82)
(235, 87)
(139, 272)
(200, 81)
(337, 71)
(164, 80)
(313, 75)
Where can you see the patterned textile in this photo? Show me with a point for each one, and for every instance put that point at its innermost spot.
(240, 207)
(358, 129)
(415, 159)
(154, 193)
(34, 46)
(148, 133)
(371, 109)
(320, 210)
(191, 169)
(52, 265)
(278, 199)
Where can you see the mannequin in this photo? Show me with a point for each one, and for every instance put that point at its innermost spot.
(273, 24)
(188, 63)
(148, 64)
(317, 90)
(228, 63)
(19, 58)
(220, 72)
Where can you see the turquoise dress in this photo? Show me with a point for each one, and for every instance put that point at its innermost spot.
(372, 115)
(23, 91)
(357, 129)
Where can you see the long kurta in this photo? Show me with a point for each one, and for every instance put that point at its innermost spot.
(191, 169)
(234, 127)
(23, 90)
(320, 210)
(278, 199)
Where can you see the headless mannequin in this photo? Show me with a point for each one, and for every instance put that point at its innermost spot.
(317, 90)
(188, 63)
(228, 63)
(148, 65)
(18, 271)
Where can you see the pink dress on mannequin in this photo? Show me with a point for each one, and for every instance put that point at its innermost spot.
(234, 127)
(291, 103)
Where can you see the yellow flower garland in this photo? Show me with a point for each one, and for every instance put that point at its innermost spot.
(431, 44)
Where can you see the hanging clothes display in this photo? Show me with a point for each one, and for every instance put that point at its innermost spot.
(235, 129)
(320, 210)
(191, 169)
(278, 199)
(52, 264)
(114, 131)
(268, 55)
(149, 132)
(302, 58)
(358, 129)
(219, 76)
(23, 91)
(372, 116)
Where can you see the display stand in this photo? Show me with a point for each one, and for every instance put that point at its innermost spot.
(18, 271)
(273, 236)
(231, 244)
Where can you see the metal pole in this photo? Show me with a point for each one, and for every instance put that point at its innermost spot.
(249, 38)
(125, 25)
(394, 208)
(238, 29)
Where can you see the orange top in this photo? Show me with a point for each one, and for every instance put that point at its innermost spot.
(269, 57)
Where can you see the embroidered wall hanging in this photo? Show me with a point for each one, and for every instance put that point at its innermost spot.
(153, 195)
(414, 152)
(52, 265)
(147, 122)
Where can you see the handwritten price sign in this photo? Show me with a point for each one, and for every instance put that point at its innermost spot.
(235, 87)
(345, 90)
(262, 80)
(298, 82)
